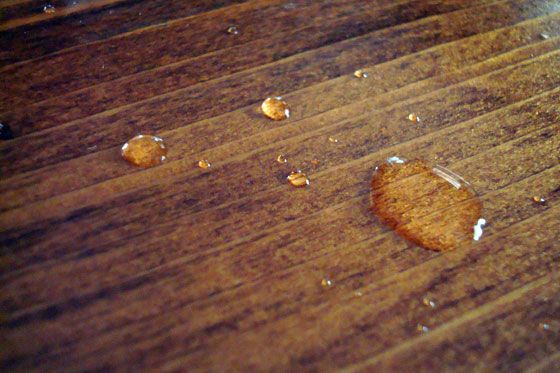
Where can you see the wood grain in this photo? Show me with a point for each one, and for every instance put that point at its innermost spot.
(104, 266)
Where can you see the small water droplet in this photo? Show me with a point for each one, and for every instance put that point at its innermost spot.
(326, 282)
(544, 36)
(275, 108)
(282, 159)
(49, 9)
(430, 206)
(233, 30)
(334, 140)
(298, 179)
(422, 328)
(361, 74)
(413, 118)
(204, 164)
(428, 302)
(6, 132)
(539, 200)
(544, 326)
(144, 151)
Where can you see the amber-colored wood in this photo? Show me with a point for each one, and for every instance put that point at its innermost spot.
(105, 266)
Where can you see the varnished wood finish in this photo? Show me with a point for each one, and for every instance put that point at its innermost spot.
(109, 267)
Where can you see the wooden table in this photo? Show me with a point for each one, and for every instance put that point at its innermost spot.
(105, 266)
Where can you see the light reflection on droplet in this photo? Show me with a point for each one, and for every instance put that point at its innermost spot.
(478, 229)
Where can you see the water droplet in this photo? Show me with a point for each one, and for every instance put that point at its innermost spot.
(361, 74)
(275, 108)
(334, 140)
(544, 36)
(282, 159)
(49, 9)
(428, 302)
(326, 282)
(144, 151)
(204, 164)
(413, 118)
(544, 326)
(422, 328)
(298, 179)
(233, 30)
(430, 206)
(6, 132)
(539, 200)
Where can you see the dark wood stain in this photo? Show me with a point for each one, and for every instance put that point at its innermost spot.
(107, 267)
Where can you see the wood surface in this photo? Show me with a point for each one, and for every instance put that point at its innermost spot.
(105, 266)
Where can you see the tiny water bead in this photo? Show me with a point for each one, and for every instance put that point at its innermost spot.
(361, 74)
(275, 108)
(204, 164)
(232, 30)
(428, 302)
(422, 328)
(430, 206)
(332, 139)
(6, 132)
(326, 282)
(282, 159)
(413, 118)
(144, 151)
(298, 179)
(49, 9)
(539, 200)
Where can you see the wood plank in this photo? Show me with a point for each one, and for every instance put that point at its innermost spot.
(107, 267)
(116, 127)
(38, 40)
(198, 191)
(508, 329)
(306, 103)
(33, 12)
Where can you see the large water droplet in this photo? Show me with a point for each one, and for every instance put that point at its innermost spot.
(275, 108)
(144, 151)
(430, 206)
(298, 179)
